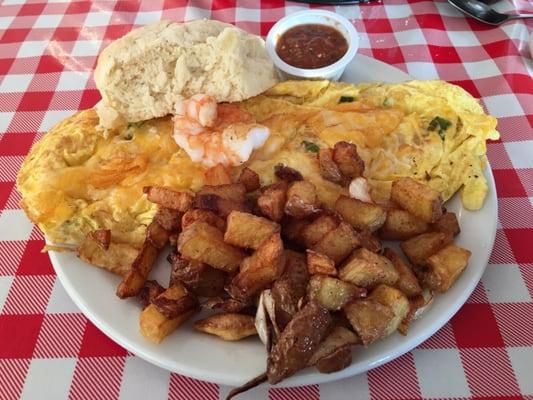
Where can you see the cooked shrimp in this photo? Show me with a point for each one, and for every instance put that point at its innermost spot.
(216, 134)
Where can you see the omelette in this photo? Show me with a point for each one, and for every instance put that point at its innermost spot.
(78, 178)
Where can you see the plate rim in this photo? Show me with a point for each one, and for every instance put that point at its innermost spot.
(316, 377)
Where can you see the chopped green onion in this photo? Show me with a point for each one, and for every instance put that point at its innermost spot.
(346, 99)
(440, 124)
(310, 147)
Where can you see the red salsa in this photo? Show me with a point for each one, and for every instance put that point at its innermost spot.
(311, 46)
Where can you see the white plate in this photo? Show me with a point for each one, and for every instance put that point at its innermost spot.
(205, 357)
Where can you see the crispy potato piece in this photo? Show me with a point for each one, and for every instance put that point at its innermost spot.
(320, 264)
(302, 200)
(369, 241)
(338, 243)
(228, 326)
(222, 207)
(217, 175)
(366, 269)
(157, 235)
(339, 359)
(250, 179)
(197, 276)
(407, 281)
(401, 225)
(102, 236)
(415, 304)
(339, 337)
(169, 198)
(417, 198)
(419, 248)
(332, 293)
(328, 168)
(447, 223)
(247, 230)
(259, 270)
(445, 266)
(346, 157)
(359, 214)
(155, 325)
(228, 305)
(149, 292)
(298, 341)
(292, 229)
(317, 229)
(369, 319)
(287, 174)
(235, 192)
(198, 214)
(168, 219)
(290, 287)
(116, 259)
(272, 201)
(396, 300)
(205, 243)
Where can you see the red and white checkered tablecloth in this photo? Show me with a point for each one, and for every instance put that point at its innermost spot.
(48, 349)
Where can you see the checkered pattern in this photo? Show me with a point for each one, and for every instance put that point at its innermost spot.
(48, 350)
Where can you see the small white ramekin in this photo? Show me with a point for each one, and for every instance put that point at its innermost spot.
(331, 72)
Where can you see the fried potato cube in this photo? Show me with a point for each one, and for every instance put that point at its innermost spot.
(339, 337)
(272, 201)
(149, 292)
(233, 191)
(320, 264)
(339, 359)
(447, 223)
(415, 304)
(217, 175)
(247, 230)
(369, 241)
(332, 293)
(221, 206)
(250, 179)
(292, 229)
(117, 258)
(328, 168)
(102, 237)
(369, 318)
(302, 200)
(169, 198)
(287, 174)
(169, 219)
(366, 269)
(401, 225)
(198, 214)
(338, 243)
(346, 157)
(407, 281)
(417, 198)
(155, 325)
(259, 270)
(228, 326)
(205, 243)
(317, 229)
(359, 214)
(202, 279)
(419, 248)
(396, 300)
(445, 266)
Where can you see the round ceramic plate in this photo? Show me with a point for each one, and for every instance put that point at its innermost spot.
(205, 357)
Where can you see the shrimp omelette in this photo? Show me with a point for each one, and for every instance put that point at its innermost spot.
(77, 179)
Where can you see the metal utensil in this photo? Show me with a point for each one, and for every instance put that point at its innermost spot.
(482, 12)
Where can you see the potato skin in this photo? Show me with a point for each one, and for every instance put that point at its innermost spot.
(227, 326)
(401, 225)
(417, 198)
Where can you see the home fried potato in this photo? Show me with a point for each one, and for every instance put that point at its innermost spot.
(247, 230)
(259, 270)
(337, 338)
(235, 192)
(156, 324)
(207, 216)
(227, 305)
(332, 293)
(328, 168)
(359, 214)
(445, 266)
(149, 292)
(169, 198)
(338, 243)
(205, 243)
(320, 264)
(401, 225)
(221, 206)
(369, 241)
(339, 359)
(415, 305)
(202, 279)
(102, 237)
(292, 229)
(272, 201)
(419, 248)
(287, 174)
(396, 300)
(250, 179)
(168, 219)
(369, 318)
(407, 281)
(447, 223)
(366, 269)
(227, 326)
(417, 198)
(346, 157)
(117, 258)
(316, 230)
(302, 200)
(217, 175)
